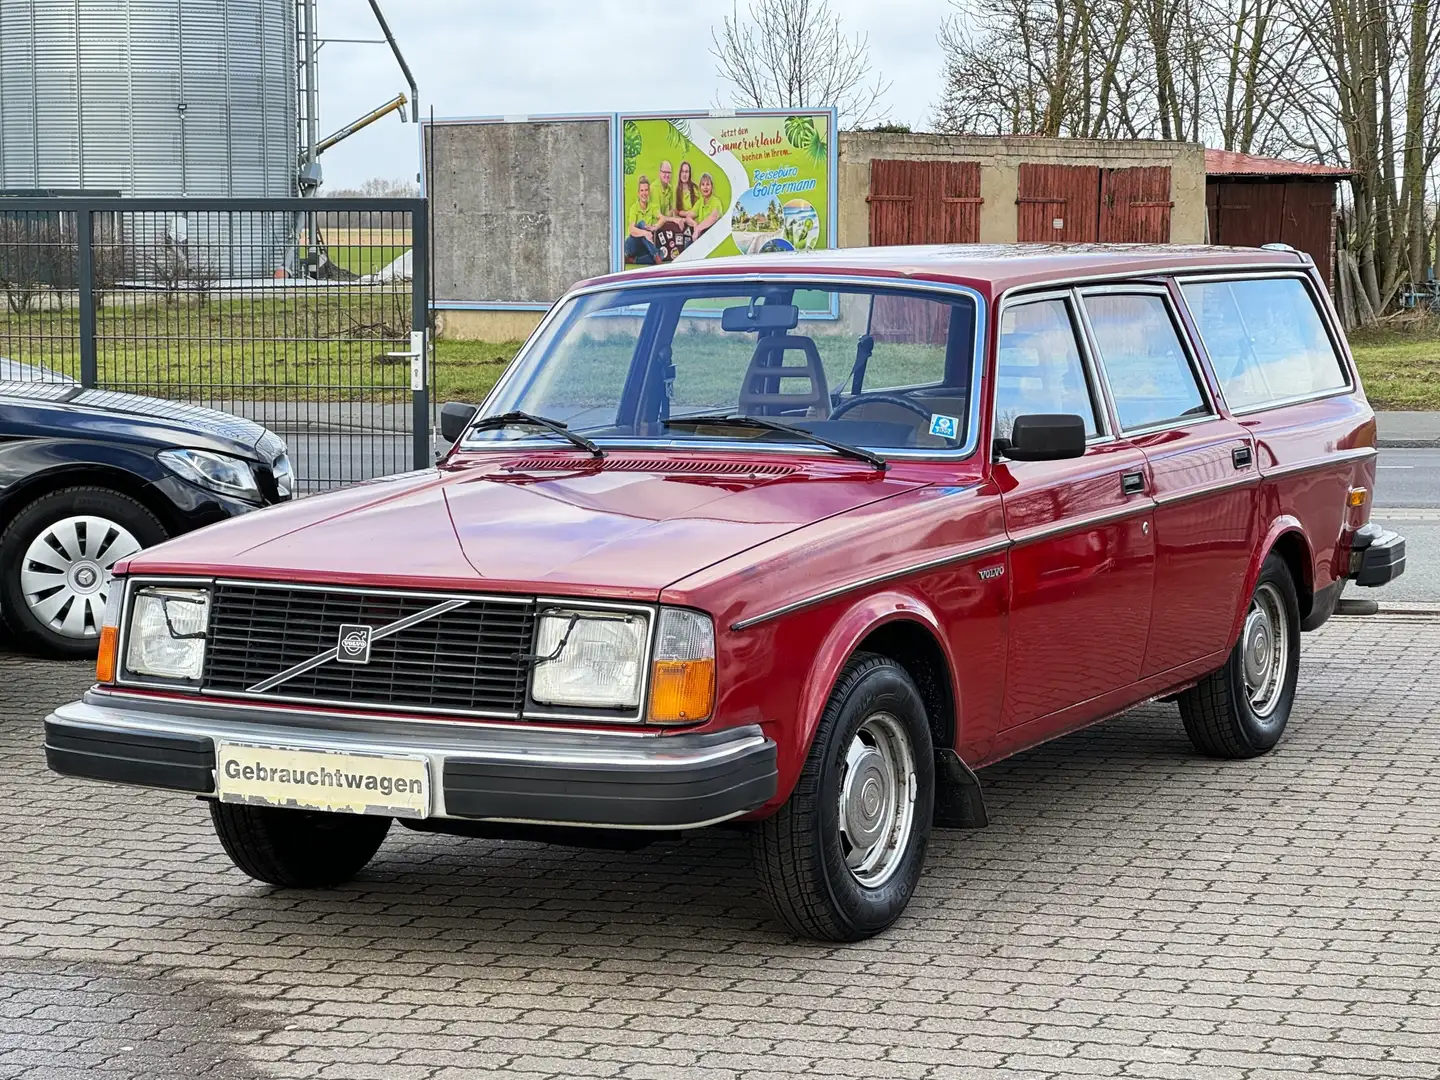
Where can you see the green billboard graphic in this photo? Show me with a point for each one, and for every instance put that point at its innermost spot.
(696, 187)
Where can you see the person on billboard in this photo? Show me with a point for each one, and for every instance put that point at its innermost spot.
(707, 209)
(643, 217)
(665, 197)
(685, 192)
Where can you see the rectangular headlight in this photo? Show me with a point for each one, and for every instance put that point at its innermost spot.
(166, 637)
(591, 659)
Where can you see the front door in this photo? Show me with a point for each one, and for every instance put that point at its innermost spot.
(1202, 468)
(1083, 563)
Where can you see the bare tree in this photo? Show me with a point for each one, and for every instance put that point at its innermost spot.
(794, 54)
(1353, 82)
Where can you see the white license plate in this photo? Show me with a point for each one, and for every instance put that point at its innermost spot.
(322, 780)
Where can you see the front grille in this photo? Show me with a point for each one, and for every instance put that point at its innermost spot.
(471, 659)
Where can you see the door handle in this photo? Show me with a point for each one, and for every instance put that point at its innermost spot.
(1242, 457)
(1132, 483)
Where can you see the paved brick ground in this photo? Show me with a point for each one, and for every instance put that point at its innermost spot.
(1134, 911)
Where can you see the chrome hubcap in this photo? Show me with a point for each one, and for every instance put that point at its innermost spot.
(1265, 650)
(877, 799)
(66, 573)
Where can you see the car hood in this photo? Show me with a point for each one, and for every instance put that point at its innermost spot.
(622, 529)
(174, 423)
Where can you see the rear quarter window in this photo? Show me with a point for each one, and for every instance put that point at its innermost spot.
(1266, 340)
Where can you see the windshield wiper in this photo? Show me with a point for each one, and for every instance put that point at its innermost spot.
(765, 423)
(555, 427)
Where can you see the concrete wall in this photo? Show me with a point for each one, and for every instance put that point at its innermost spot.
(496, 326)
(1000, 158)
(521, 211)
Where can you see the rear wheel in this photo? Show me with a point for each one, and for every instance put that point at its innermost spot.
(1241, 710)
(841, 859)
(56, 564)
(303, 849)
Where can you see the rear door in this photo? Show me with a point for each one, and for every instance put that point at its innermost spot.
(1083, 562)
(1202, 472)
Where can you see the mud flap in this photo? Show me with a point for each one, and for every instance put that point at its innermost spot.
(959, 803)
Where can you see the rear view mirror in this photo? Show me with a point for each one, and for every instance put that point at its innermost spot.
(1045, 437)
(455, 417)
(760, 317)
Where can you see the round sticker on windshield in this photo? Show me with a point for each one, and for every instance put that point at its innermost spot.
(944, 426)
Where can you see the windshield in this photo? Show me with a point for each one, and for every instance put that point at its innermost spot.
(882, 368)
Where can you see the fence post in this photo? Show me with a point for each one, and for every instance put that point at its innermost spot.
(85, 273)
(420, 334)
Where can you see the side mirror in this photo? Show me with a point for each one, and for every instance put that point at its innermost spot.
(455, 417)
(1045, 437)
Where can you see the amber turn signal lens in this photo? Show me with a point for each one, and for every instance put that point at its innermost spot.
(1358, 496)
(681, 691)
(105, 658)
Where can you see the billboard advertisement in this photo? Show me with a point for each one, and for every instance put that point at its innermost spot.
(696, 186)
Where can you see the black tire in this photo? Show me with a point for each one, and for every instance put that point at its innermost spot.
(799, 853)
(300, 849)
(32, 520)
(1219, 714)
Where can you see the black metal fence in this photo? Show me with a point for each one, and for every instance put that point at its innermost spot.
(306, 315)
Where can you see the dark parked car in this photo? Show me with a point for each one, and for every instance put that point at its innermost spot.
(88, 477)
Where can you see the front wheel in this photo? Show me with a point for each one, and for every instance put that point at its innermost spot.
(841, 859)
(1241, 710)
(302, 849)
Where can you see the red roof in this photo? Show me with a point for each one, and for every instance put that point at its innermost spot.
(1229, 163)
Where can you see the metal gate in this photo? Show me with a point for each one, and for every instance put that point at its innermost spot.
(306, 315)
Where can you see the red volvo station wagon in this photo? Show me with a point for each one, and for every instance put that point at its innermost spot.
(794, 542)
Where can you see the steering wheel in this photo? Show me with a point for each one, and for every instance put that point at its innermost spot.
(889, 399)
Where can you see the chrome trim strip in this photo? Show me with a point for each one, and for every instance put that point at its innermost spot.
(1359, 453)
(499, 598)
(1299, 399)
(389, 710)
(1103, 517)
(283, 711)
(1143, 276)
(1249, 478)
(375, 635)
(890, 575)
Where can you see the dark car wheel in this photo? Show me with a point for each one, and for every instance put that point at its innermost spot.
(302, 849)
(56, 562)
(842, 857)
(1241, 710)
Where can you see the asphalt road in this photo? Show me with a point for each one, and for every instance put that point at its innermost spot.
(1408, 478)
(1407, 499)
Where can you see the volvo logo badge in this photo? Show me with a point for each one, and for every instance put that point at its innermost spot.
(354, 644)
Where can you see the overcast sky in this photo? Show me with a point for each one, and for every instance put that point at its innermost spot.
(503, 57)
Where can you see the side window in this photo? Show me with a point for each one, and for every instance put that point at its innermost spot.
(1265, 339)
(1038, 368)
(1150, 376)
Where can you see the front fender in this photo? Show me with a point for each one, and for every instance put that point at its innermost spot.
(862, 618)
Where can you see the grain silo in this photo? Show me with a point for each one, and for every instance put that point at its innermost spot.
(149, 97)
(154, 98)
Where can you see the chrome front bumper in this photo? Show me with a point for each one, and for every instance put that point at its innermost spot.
(479, 772)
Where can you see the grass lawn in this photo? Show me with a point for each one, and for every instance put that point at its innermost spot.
(330, 345)
(1400, 367)
(466, 370)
